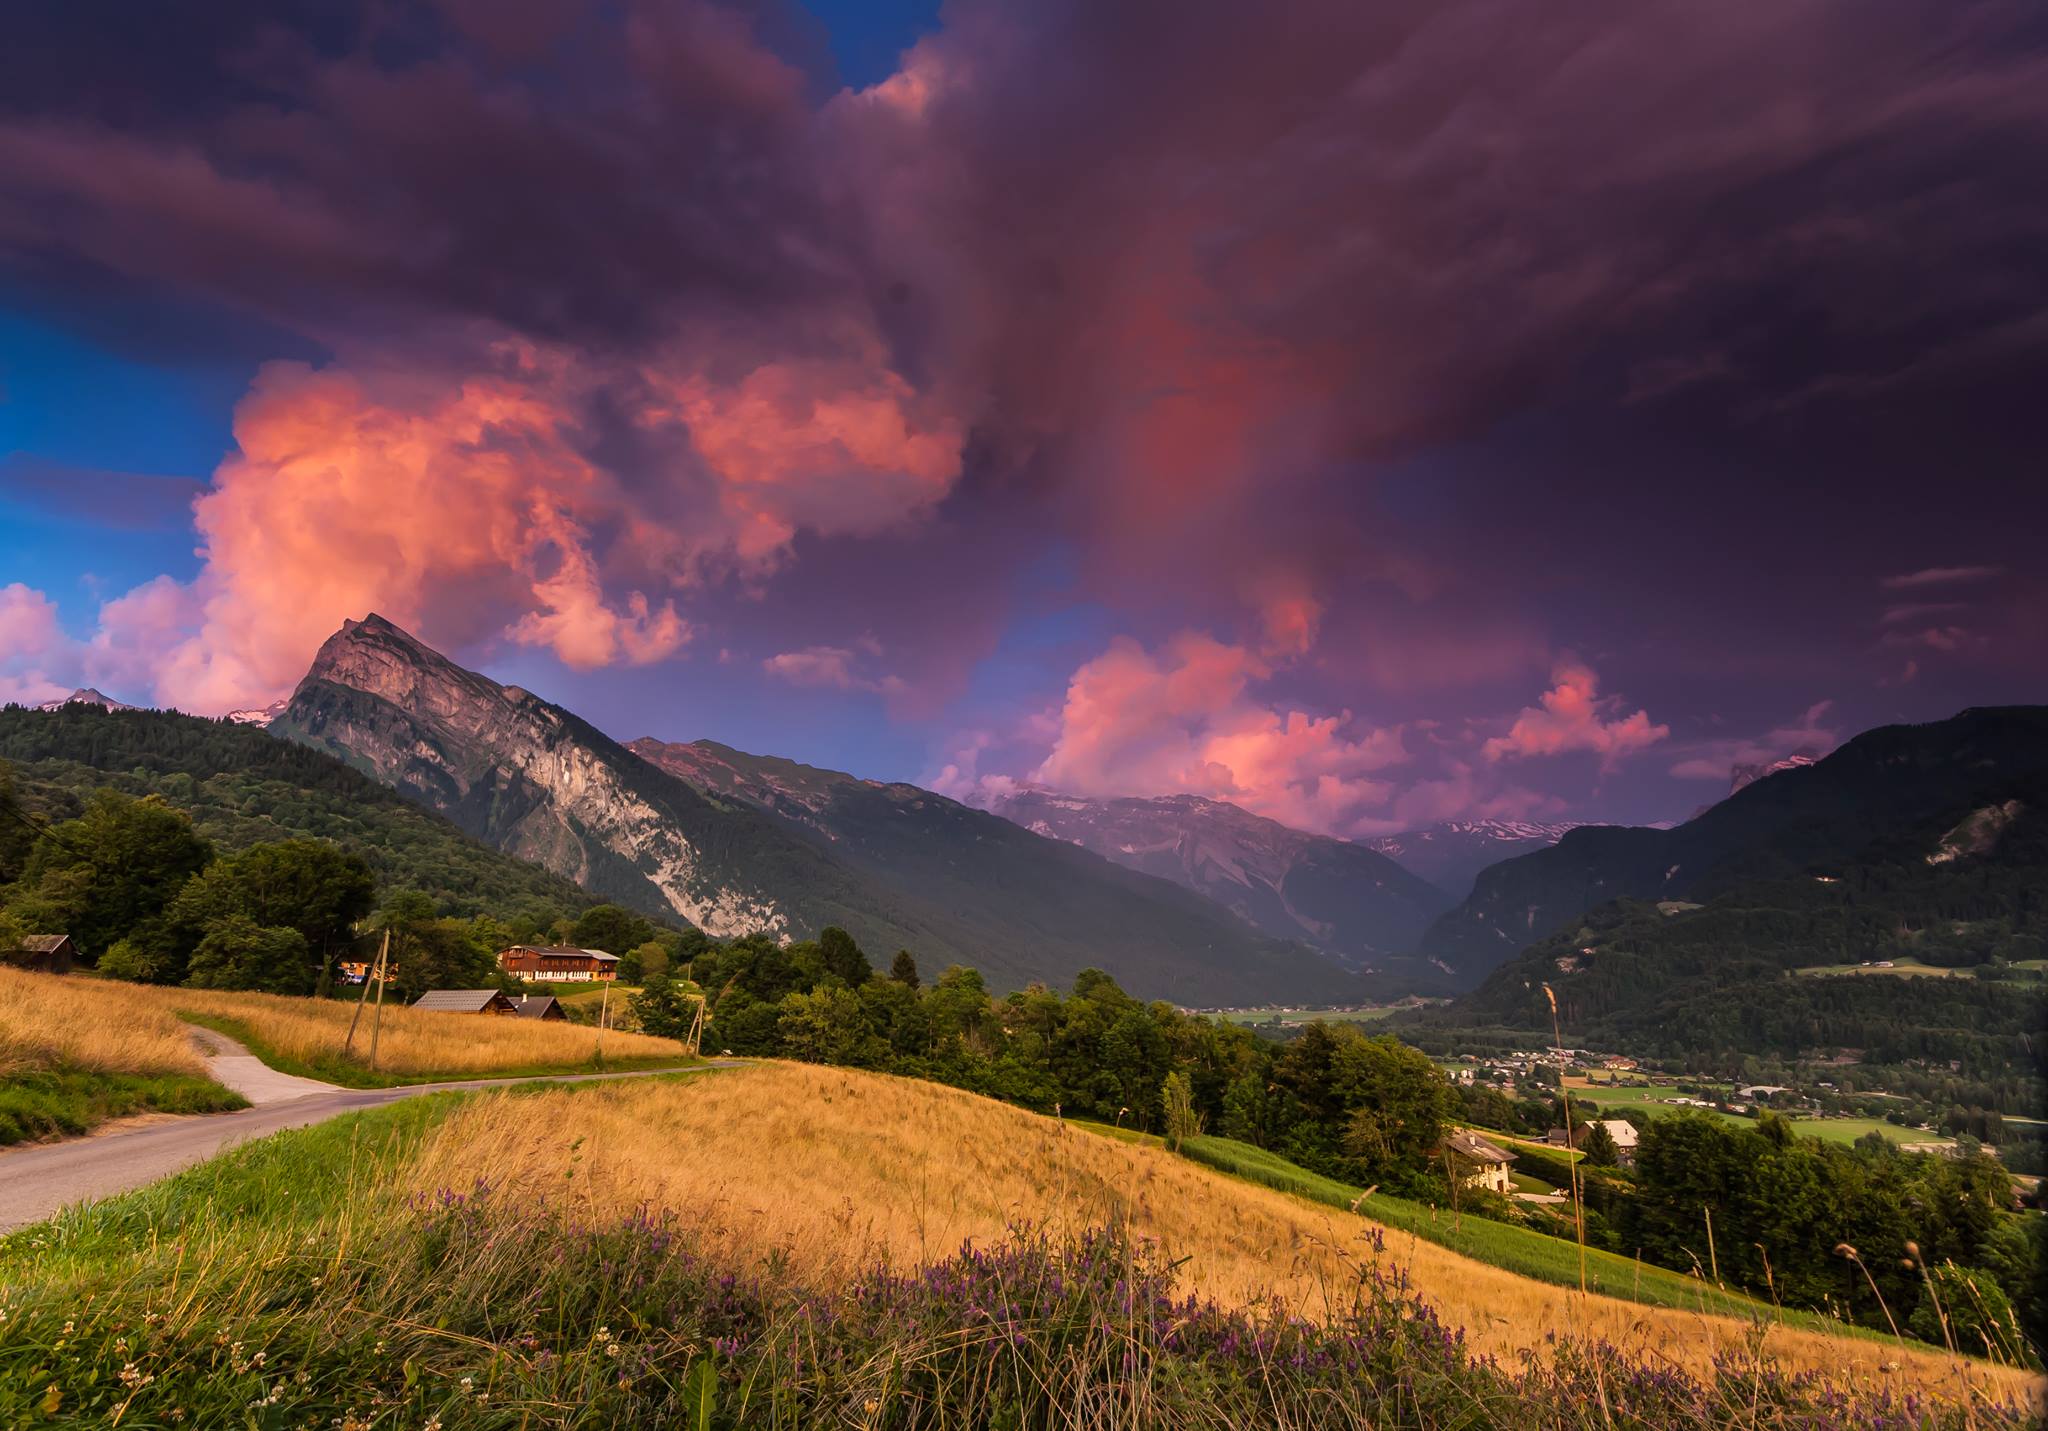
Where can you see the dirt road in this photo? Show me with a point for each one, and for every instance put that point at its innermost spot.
(38, 1181)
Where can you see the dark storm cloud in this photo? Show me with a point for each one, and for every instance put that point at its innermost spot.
(1196, 288)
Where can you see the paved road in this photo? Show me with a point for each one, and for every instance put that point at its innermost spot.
(37, 1181)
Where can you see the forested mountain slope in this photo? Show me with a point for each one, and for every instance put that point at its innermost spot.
(1890, 778)
(242, 788)
(1963, 892)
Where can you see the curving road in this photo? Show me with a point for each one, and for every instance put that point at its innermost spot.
(38, 1181)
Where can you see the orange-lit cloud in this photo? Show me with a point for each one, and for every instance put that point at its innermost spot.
(1184, 720)
(1573, 716)
(469, 509)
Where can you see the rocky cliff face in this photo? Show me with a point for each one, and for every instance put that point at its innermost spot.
(522, 774)
(1343, 898)
(737, 844)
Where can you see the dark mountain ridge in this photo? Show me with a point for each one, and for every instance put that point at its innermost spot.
(1885, 778)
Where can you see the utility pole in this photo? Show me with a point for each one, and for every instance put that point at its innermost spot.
(349, 1042)
(377, 1019)
(604, 1013)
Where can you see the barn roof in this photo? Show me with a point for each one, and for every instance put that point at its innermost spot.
(536, 1006)
(461, 1001)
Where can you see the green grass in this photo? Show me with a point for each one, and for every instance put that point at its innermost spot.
(350, 1074)
(1901, 968)
(291, 1283)
(1329, 1016)
(1848, 1130)
(1515, 1249)
(52, 1103)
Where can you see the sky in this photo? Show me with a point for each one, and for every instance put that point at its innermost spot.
(1371, 415)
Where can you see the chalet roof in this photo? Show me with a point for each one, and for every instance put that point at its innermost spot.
(460, 1001)
(1473, 1148)
(564, 951)
(42, 943)
(536, 1006)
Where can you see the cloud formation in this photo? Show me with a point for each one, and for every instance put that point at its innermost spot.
(1573, 716)
(838, 668)
(1183, 720)
(614, 318)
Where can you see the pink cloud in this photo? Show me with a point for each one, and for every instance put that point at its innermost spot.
(37, 660)
(831, 667)
(1573, 716)
(1183, 720)
(1942, 576)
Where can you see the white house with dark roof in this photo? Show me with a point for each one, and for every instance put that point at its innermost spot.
(1482, 1164)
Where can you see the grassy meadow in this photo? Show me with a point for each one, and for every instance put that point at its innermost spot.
(107, 1026)
(1649, 1097)
(65, 1070)
(532, 1258)
(826, 1171)
(1282, 1015)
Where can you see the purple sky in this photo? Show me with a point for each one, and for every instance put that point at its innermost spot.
(1371, 414)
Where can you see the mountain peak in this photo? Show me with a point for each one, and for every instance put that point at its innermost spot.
(87, 696)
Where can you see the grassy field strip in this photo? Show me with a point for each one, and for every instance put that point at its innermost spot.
(1649, 1096)
(359, 1273)
(102, 1022)
(1498, 1244)
(1900, 968)
(1332, 1016)
(62, 1074)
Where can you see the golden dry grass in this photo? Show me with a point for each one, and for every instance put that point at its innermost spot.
(118, 1027)
(831, 1169)
(46, 1021)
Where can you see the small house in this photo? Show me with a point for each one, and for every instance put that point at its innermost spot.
(558, 963)
(466, 1001)
(540, 1006)
(1481, 1164)
(44, 953)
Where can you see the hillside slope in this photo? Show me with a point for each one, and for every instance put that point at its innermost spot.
(852, 1142)
(1959, 891)
(1344, 898)
(241, 787)
(1885, 779)
(1016, 905)
(535, 780)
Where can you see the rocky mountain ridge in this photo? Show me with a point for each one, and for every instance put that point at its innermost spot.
(1344, 898)
(738, 844)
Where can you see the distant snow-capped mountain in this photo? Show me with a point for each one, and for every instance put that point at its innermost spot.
(262, 717)
(1741, 775)
(87, 696)
(1342, 897)
(1451, 855)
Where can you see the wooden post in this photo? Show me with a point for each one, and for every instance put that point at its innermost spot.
(349, 1042)
(604, 1013)
(377, 1018)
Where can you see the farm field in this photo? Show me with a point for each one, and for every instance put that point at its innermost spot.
(1901, 968)
(106, 1024)
(1848, 1130)
(1303, 1016)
